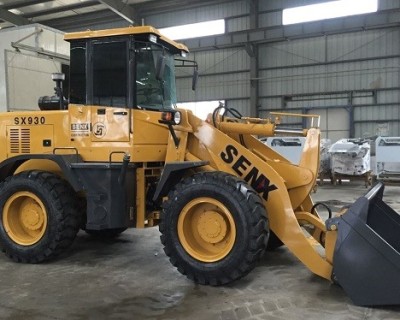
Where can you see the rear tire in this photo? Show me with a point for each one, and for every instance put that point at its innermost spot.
(214, 228)
(39, 216)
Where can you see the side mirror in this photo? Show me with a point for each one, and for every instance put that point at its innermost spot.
(160, 68)
(195, 79)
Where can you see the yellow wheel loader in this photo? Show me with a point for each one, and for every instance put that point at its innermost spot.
(118, 153)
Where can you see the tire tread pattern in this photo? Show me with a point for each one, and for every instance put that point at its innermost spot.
(65, 218)
(256, 217)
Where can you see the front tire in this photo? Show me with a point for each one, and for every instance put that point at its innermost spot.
(214, 228)
(39, 216)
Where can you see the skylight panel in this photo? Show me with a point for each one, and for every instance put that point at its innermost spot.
(328, 10)
(195, 30)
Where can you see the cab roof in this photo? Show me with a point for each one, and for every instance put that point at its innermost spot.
(131, 30)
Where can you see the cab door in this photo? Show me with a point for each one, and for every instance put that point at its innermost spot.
(110, 124)
(110, 97)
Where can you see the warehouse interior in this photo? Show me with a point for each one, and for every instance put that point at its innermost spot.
(344, 68)
(250, 58)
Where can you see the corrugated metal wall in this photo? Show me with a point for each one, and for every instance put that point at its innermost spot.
(351, 79)
(199, 14)
(365, 64)
(26, 75)
(224, 73)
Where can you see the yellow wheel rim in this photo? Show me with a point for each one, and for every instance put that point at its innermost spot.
(206, 229)
(24, 218)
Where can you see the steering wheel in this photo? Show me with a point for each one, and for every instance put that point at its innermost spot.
(147, 91)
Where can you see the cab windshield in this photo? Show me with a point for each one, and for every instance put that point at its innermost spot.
(152, 93)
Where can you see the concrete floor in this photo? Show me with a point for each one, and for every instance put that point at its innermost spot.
(131, 278)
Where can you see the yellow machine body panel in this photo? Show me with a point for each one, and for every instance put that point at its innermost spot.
(119, 154)
(82, 130)
(117, 32)
(32, 132)
(283, 186)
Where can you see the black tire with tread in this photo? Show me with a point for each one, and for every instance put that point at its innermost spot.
(251, 224)
(63, 218)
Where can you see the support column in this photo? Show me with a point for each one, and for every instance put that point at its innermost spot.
(252, 51)
(350, 110)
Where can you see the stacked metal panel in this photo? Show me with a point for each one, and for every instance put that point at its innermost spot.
(289, 147)
(387, 158)
(350, 157)
(325, 157)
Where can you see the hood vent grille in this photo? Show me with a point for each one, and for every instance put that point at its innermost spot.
(20, 140)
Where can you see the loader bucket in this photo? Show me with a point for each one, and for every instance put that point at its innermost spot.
(366, 261)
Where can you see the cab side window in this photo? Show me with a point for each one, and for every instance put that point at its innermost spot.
(149, 92)
(110, 74)
(77, 84)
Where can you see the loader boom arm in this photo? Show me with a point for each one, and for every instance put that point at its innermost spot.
(231, 147)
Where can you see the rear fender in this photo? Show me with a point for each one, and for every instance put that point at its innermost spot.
(46, 162)
(42, 165)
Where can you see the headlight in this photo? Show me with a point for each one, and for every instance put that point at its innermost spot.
(153, 38)
(177, 118)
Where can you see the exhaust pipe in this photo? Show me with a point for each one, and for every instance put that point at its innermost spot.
(56, 102)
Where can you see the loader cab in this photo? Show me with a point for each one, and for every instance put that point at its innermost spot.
(128, 68)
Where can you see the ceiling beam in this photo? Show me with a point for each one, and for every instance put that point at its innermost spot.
(373, 21)
(124, 10)
(141, 10)
(12, 18)
(81, 21)
(22, 3)
(152, 7)
(61, 9)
